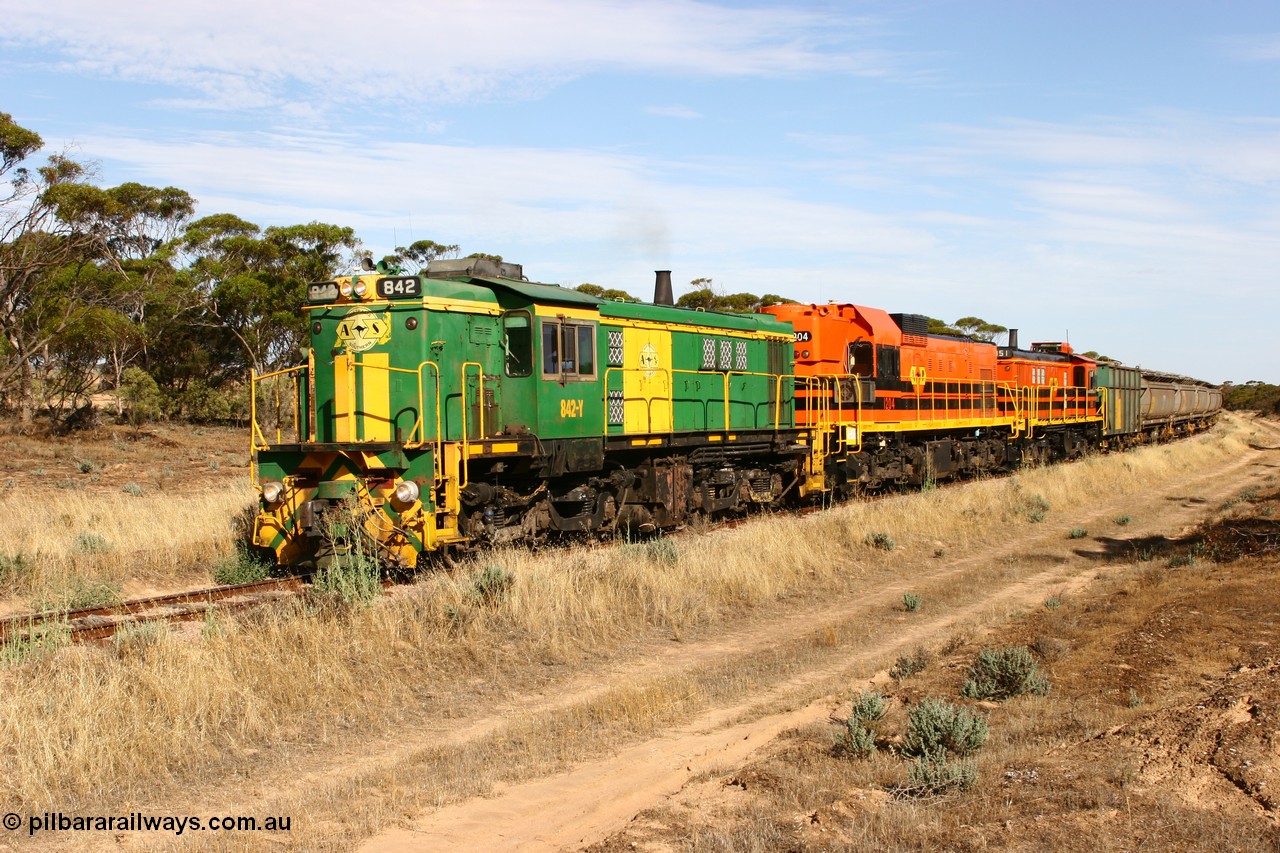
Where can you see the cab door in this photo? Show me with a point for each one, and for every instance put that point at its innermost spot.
(570, 404)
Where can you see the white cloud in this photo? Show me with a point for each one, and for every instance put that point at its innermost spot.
(1263, 47)
(1121, 202)
(1244, 149)
(250, 54)
(595, 202)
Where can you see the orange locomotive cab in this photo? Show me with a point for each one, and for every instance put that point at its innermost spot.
(893, 403)
(1057, 389)
(873, 367)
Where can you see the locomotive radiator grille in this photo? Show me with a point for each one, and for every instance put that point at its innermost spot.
(617, 408)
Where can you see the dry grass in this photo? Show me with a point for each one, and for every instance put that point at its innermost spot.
(126, 511)
(116, 537)
(95, 726)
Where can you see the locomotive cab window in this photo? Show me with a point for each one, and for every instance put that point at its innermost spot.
(862, 358)
(517, 330)
(568, 350)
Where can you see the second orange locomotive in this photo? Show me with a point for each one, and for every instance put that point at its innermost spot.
(900, 405)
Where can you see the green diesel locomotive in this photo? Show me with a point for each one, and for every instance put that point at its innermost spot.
(466, 405)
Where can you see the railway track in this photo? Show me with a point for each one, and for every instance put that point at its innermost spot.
(100, 622)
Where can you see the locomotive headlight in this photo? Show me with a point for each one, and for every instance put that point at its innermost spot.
(407, 492)
(359, 288)
(272, 491)
(345, 288)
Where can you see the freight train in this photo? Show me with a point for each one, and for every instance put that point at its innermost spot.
(466, 406)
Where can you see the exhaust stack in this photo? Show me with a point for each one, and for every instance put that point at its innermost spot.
(1013, 339)
(662, 294)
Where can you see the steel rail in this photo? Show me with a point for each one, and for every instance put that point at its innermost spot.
(100, 621)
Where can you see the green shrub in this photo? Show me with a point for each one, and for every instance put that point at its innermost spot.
(911, 601)
(81, 593)
(908, 665)
(88, 542)
(86, 466)
(39, 642)
(868, 707)
(1122, 520)
(240, 567)
(14, 569)
(1003, 673)
(133, 489)
(854, 741)
(1037, 508)
(350, 578)
(140, 395)
(134, 638)
(1052, 602)
(1077, 533)
(492, 584)
(352, 573)
(935, 774)
(662, 551)
(882, 541)
(936, 726)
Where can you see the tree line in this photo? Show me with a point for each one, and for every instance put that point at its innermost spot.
(123, 288)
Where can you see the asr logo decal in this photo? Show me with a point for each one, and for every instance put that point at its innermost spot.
(362, 329)
(649, 360)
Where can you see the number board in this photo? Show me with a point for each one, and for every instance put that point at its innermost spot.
(400, 287)
(322, 291)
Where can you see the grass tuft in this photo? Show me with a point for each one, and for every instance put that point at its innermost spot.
(81, 592)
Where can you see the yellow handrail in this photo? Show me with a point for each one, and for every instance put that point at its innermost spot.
(462, 400)
(669, 399)
(255, 432)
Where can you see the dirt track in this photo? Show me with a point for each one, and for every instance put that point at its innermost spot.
(593, 800)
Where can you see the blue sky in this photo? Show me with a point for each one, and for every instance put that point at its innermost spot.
(1108, 171)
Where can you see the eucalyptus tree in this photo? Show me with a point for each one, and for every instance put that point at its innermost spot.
(69, 256)
(253, 279)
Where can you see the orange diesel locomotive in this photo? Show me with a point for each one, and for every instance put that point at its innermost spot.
(896, 404)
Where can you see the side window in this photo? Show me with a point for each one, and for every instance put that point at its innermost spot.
(586, 349)
(550, 348)
(568, 350)
(861, 358)
(517, 330)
